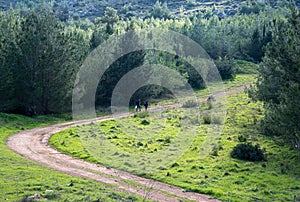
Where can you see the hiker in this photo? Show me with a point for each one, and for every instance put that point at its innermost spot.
(211, 99)
(146, 104)
(138, 105)
(31, 110)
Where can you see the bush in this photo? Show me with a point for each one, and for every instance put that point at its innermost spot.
(242, 138)
(216, 120)
(206, 119)
(190, 104)
(248, 152)
(225, 68)
(145, 122)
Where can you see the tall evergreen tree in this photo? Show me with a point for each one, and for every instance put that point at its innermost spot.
(110, 18)
(47, 60)
(9, 28)
(278, 85)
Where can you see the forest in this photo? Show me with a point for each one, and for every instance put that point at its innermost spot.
(43, 45)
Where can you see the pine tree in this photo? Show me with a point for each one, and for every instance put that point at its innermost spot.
(47, 60)
(9, 25)
(278, 85)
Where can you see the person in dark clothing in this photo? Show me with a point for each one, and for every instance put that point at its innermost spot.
(138, 105)
(146, 104)
(30, 111)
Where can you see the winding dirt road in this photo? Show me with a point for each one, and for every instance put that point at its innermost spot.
(33, 144)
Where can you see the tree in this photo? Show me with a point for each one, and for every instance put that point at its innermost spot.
(47, 59)
(160, 10)
(9, 28)
(278, 84)
(257, 44)
(110, 18)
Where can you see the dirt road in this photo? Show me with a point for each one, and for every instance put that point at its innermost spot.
(33, 144)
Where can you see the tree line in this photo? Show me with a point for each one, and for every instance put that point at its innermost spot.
(39, 58)
(40, 55)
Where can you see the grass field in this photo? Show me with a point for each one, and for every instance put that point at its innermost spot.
(239, 80)
(20, 177)
(131, 140)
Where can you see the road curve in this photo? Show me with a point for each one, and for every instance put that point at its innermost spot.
(33, 144)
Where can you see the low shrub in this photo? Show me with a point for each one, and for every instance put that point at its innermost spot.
(242, 138)
(248, 152)
(190, 104)
(206, 119)
(145, 122)
(216, 120)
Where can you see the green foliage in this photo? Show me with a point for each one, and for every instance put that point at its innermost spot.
(248, 152)
(207, 119)
(53, 54)
(42, 62)
(225, 68)
(116, 71)
(245, 67)
(239, 37)
(9, 29)
(248, 8)
(160, 10)
(145, 122)
(278, 84)
(110, 18)
(242, 138)
(258, 43)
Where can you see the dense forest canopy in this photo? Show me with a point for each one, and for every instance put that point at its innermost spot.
(41, 43)
(91, 9)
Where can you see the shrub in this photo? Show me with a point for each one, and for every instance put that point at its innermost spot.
(168, 140)
(248, 152)
(145, 122)
(206, 119)
(190, 104)
(209, 105)
(242, 138)
(216, 120)
(225, 68)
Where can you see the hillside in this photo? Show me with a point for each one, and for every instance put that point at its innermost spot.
(91, 9)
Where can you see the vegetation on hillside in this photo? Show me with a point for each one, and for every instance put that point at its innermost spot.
(91, 9)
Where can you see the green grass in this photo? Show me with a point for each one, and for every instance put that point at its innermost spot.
(239, 80)
(20, 177)
(217, 174)
(244, 67)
